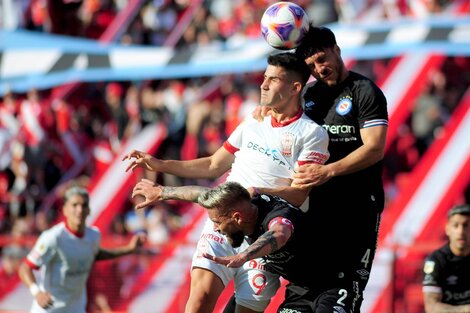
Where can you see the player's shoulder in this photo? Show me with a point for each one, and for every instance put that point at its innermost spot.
(363, 83)
(440, 254)
(52, 234)
(93, 231)
(55, 229)
(311, 126)
(247, 121)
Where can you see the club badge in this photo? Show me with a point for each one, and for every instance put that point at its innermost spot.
(287, 141)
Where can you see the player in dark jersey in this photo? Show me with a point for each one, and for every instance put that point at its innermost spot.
(275, 228)
(446, 283)
(348, 198)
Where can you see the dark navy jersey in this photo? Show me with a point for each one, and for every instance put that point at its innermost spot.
(291, 261)
(343, 110)
(344, 213)
(447, 273)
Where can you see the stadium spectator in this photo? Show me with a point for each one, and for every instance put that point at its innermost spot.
(259, 154)
(67, 251)
(348, 189)
(64, 17)
(446, 287)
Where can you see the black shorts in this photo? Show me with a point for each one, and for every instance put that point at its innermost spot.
(336, 300)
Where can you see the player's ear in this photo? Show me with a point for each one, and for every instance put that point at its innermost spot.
(296, 87)
(237, 216)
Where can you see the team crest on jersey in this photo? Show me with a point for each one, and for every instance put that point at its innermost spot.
(287, 141)
(429, 267)
(344, 106)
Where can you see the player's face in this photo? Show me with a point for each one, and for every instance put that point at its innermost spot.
(76, 210)
(327, 66)
(228, 226)
(458, 231)
(277, 88)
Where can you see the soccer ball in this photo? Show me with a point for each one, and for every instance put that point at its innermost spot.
(284, 24)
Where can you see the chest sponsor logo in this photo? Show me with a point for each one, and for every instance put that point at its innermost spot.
(213, 237)
(271, 153)
(344, 106)
(340, 129)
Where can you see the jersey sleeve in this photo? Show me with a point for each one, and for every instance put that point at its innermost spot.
(234, 141)
(431, 275)
(43, 251)
(315, 148)
(372, 105)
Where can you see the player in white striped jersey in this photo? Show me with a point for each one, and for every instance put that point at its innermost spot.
(66, 252)
(262, 156)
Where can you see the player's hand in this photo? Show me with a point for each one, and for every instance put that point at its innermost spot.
(310, 175)
(137, 241)
(44, 299)
(146, 193)
(229, 261)
(139, 159)
(260, 112)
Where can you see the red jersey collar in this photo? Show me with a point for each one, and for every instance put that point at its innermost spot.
(77, 234)
(275, 123)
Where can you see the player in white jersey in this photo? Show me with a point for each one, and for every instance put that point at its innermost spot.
(262, 156)
(66, 252)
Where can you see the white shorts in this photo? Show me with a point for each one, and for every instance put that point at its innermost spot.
(254, 287)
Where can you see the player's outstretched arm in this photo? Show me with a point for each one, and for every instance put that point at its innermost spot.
(212, 166)
(141, 159)
(134, 244)
(150, 193)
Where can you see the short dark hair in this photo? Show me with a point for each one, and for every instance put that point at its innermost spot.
(463, 209)
(292, 63)
(316, 39)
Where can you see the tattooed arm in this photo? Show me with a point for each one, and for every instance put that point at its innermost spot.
(271, 241)
(148, 193)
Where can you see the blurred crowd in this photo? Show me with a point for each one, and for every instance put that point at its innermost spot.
(48, 142)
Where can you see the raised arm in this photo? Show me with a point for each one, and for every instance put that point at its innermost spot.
(294, 194)
(150, 193)
(136, 242)
(213, 166)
